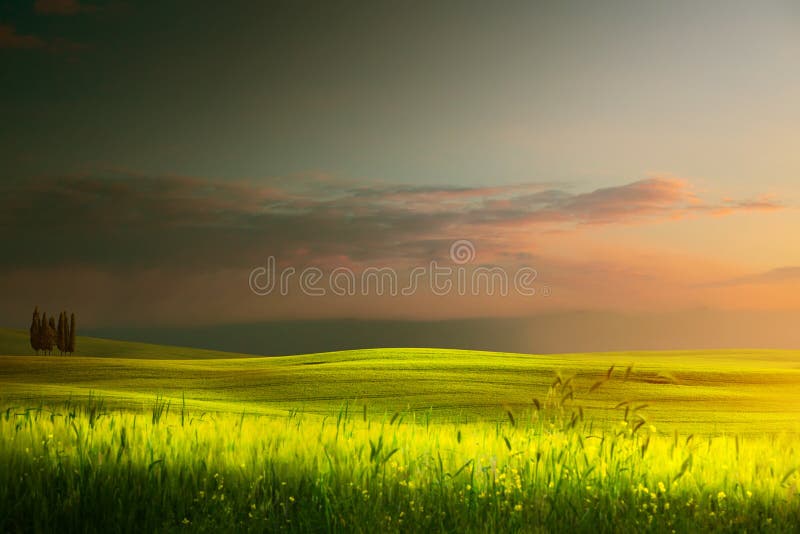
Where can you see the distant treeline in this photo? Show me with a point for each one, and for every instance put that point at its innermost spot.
(45, 333)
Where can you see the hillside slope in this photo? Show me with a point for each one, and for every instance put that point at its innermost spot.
(15, 342)
(719, 391)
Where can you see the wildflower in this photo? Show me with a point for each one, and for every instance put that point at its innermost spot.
(518, 508)
(661, 487)
(291, 499)
(721, 496)
(185, 521)
(749, 494)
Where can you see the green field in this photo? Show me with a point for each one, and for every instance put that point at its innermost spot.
(161, 438)
(693, 392)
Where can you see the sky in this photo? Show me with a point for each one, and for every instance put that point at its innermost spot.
(637, 157)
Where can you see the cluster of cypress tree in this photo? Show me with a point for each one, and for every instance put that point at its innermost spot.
(45, 333)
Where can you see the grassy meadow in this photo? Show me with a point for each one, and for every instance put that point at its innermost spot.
(397, 440)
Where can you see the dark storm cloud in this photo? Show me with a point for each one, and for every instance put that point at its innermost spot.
(62, 7)
(126, 221)
(10, 38)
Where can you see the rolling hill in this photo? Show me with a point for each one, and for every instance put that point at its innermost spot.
(15, 342)
(691, 391)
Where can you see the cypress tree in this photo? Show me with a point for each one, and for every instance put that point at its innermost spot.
(51, 334)
(43, 332)
(61, 339)
(66, 332)
(71, 344)
(35, 330)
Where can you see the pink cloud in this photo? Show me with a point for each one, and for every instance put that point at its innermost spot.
(650, 197)
(193, 240)
(184, 220)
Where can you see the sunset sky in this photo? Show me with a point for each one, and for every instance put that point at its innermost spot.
(642, 157)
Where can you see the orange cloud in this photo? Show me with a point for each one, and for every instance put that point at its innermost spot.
(780, 275)
(762, 203)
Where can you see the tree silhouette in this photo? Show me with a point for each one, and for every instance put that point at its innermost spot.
(61, 338)
(35, 330)
(71, 343)
(43, 332)
(45, 338)
(66, 331)
(51, 335)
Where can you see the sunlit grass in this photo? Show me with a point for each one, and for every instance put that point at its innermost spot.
(78, 467)
(401, 440)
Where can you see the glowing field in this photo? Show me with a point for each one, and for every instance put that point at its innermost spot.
(400, 440)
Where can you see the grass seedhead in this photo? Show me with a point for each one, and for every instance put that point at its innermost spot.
(511, 418)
